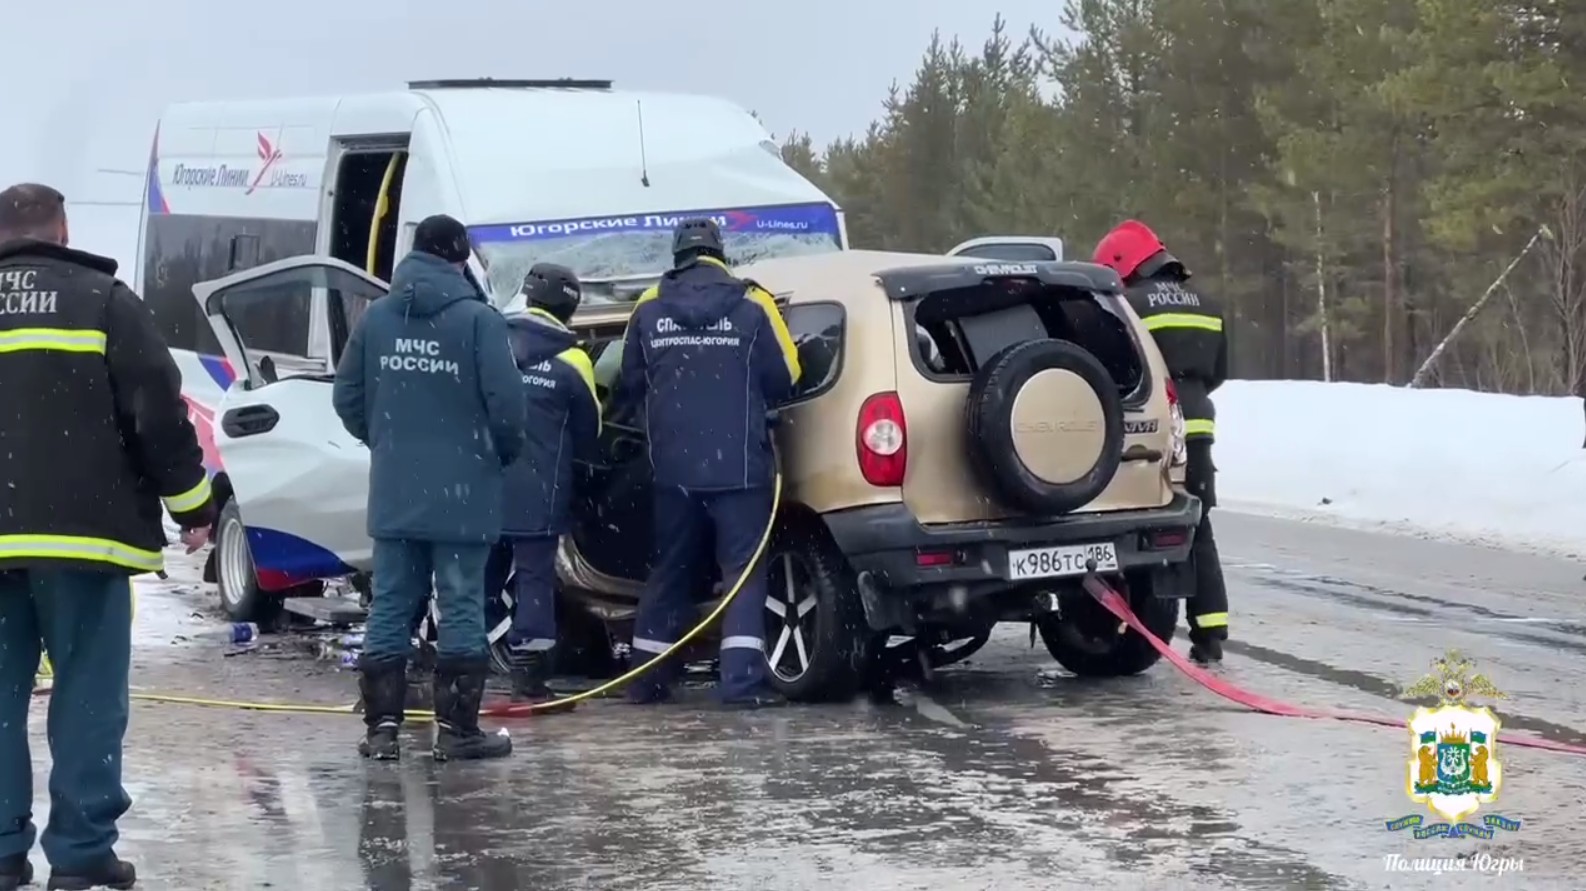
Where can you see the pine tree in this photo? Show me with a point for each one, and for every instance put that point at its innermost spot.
(798, 152)
(1387, 156)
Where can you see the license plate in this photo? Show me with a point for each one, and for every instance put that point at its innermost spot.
(1057, 562)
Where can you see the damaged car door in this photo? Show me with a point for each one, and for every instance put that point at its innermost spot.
(298, 480)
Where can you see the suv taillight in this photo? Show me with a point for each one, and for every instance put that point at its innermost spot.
(882, 440)
(1180, 455)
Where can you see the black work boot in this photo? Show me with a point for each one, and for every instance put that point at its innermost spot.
(15, 871)
(530, 669)
(1206, 647)
(111, 872)
(384, 685)
(459, 691)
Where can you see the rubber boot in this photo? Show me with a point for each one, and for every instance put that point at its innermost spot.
(15, 871)
(384, 686)
(111, 872)
(530, 669)
(420, 680)
(459, 691)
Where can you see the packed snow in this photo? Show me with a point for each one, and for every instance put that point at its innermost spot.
(1478, 467)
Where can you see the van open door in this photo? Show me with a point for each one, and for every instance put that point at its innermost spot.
(1011, 248)
(299, 480)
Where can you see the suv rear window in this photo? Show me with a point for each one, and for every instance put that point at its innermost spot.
(1012, 251)
(943, 349)
(819, 330)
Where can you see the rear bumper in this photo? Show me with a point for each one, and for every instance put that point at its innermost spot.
(884, 544)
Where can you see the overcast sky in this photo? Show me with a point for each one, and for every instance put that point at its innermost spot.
(83, 88)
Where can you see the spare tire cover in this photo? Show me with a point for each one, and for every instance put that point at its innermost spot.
(1045, 425)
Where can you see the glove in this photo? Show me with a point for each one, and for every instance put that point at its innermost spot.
(193, 539)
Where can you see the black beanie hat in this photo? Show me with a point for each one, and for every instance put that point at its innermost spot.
(443, 237)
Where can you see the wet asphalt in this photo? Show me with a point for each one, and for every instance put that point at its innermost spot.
(1005, 774)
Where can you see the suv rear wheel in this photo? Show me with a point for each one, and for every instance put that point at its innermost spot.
(1090, 642)
(815, 632)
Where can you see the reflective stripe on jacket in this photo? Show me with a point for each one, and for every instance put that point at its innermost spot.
(95, 433)
(1188, 329)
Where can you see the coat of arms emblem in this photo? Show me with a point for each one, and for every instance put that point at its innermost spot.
(1454, 767)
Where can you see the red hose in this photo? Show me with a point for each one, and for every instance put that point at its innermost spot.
(1114, 603)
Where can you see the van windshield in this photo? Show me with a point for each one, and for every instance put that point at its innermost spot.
(619, 257)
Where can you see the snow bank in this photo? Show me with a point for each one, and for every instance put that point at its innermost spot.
(1501, 470)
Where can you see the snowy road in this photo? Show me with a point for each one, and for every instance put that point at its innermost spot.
(1002, 779)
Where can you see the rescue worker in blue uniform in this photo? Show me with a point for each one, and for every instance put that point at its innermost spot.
(563, 423)
(427, 381)
(1187, 326)
(95, 436)
(709, 354)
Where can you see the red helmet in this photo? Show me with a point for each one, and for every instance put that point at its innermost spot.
(1129, 244)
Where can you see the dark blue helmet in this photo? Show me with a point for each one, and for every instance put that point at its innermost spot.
(698, 236)
(553, 288)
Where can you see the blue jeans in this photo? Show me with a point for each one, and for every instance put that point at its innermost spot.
(402, 577)
(85, 620)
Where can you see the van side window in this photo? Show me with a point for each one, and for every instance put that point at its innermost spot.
(244, 252)
(178, 316)
(181, 250)
(819, 331)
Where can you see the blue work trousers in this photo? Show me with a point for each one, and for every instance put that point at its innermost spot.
(403, 574)
(667, 607)
(85, 621)
(534, 593)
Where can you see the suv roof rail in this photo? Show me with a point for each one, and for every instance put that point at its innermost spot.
(909, 282)
(484, 83)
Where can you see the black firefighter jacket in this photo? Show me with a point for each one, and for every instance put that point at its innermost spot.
(1188, 328)
(93, 431)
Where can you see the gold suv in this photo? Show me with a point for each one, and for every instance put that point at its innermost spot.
(969, 438)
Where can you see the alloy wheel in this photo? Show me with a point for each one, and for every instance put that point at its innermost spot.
(791, 612)
(235, 562)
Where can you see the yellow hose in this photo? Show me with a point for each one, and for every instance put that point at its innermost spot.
(515, 708)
